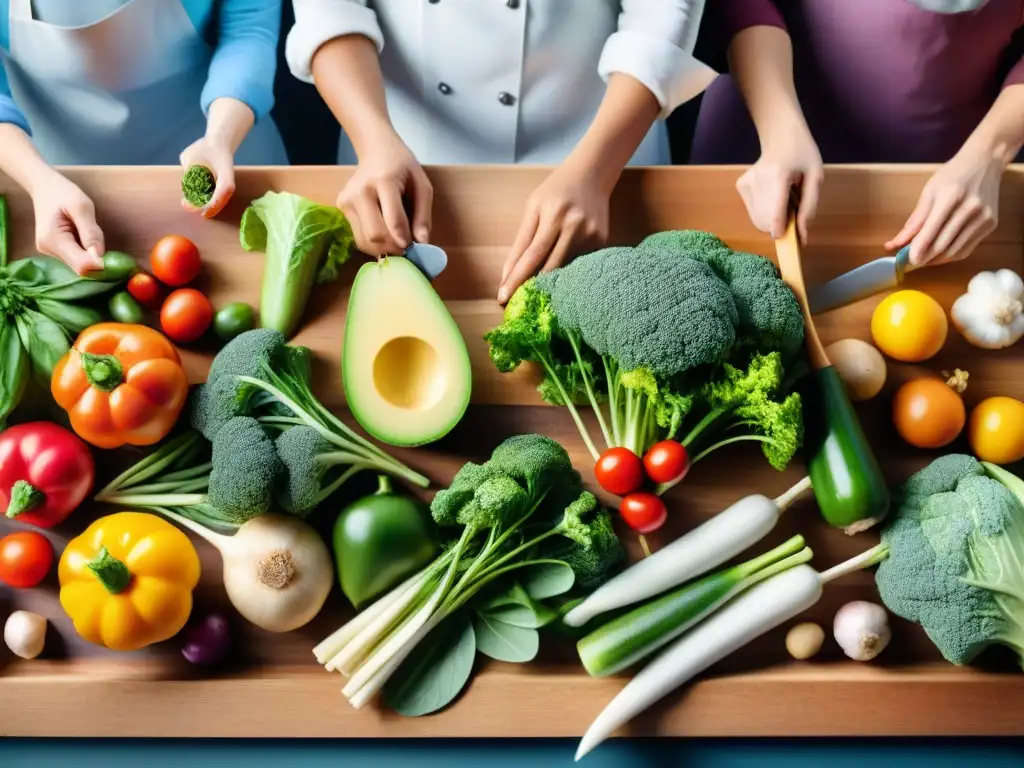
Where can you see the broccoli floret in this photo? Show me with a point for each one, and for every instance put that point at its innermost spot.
(592, 549)
(497, 502)
(448, 502)
(535, 462)
(955, 546)
(769, 314)
(246, 470)
(645, 307)
(197, 185)
(306, 458)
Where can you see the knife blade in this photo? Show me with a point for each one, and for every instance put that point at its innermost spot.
(860, 283)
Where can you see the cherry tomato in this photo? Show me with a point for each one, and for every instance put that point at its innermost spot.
(233, 319)
(619, 471)
(666, 462)
(643, 512)
(175, 260)
(185, 315)
(25, 559)
(928, 413)
(145, 289)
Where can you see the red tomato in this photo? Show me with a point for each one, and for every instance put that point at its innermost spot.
(666, 462)
(25, 559)
(619, 471)
(643, 512)
(175, 260)
(185, 315)
(145, 289)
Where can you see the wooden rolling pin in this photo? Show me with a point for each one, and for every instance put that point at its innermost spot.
(848, 483)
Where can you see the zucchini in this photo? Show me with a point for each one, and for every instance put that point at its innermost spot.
(848, 483)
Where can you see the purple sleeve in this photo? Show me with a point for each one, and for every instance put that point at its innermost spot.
(733, 16)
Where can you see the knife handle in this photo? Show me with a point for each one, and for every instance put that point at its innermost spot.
(787, 248)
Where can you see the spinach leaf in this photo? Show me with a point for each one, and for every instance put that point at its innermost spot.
(436, 671)
(515, 606)
(13, 369)
(72, 316)
(544, 580)
(44, 340)
(505, 642)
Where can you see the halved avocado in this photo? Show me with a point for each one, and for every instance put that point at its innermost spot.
(405, 366)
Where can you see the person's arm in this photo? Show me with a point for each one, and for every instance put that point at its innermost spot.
(335, 44)
(760, 56)
(650, 70)
(959, 206)
(65, 218)
(239, 90)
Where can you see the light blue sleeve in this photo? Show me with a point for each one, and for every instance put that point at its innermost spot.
(9, 112)
(245, 60)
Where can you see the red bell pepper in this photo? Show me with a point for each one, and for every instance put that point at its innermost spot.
(45, 473)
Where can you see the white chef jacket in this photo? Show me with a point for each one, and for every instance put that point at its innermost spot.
(510, 81)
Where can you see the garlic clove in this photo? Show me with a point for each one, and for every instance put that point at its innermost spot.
(804, 641)
(862, 630)
(25, 634)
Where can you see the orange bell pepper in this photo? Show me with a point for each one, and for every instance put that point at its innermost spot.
(120, 383)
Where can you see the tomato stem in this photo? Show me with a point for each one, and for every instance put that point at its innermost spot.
(23, 498)
(112, 573)
(103, 371)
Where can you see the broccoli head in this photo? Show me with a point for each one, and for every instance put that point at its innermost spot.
(645, 307)
(536, 462)
(447, 504)
(497, 502)
(955, 544)
(197, 185)
(769, 314)
(246, 470)
(301, 449)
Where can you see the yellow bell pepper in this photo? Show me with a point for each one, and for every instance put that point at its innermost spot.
(127, 581)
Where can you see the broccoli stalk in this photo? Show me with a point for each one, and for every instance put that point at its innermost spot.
(523, 508)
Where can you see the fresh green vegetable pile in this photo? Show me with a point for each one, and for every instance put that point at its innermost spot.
(261, 440)
(304, 243)
(678, 336)
(521, 530)
(197, 185)
(956, 557)
(43, 302)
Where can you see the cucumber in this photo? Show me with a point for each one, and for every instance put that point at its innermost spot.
(848, 483)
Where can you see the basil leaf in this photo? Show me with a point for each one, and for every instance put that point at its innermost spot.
(504, 642)
(436, 671)
(44, 340)
(73, 317)
(73, 290)
(13, 369)
(545, 580)
(41, 270)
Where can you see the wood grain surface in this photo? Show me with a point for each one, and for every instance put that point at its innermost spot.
(274, 687)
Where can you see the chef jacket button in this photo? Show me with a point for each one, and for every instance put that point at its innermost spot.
(513, 4)
(444, 88)
(506, 98)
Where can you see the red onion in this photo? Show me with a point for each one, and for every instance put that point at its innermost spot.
(208, 641)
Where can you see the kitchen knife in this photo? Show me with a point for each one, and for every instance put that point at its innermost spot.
(859, 283)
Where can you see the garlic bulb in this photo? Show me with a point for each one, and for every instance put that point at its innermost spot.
(991, 314)
(25, 634)
(862, 629)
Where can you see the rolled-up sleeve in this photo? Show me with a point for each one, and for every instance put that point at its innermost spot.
(245, 60)
(730, 17)
(654, 44)
(320, 21)
(1015, 55)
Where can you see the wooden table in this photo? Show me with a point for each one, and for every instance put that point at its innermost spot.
(276, 688)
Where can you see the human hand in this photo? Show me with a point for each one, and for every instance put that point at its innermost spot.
(373, 199)
(216, 154)
(958, 208)
(66, 223)
(791, 161)
(566, 215)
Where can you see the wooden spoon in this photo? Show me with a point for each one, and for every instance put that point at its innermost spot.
(848, 484)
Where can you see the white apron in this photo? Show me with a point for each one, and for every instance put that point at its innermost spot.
(123, 90)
